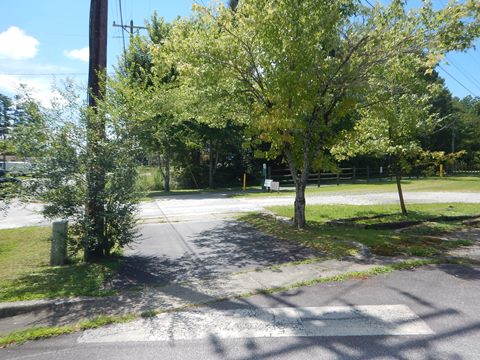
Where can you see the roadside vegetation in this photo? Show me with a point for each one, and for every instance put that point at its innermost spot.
(334, 229)
(25, 273)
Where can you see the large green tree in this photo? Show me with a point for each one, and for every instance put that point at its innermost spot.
(145, 93)
(464, 133)
(398, 117)
(181, 129)
(299, 69)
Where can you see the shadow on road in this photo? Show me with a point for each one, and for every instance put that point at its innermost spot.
(217, 249)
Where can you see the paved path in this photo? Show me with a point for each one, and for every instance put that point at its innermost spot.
(180, 251)
(213, 206)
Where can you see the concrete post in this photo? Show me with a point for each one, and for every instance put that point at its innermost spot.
(58, 251)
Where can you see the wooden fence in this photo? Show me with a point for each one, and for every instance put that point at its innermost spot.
(357, 174)
(345, 175)
(467, 170)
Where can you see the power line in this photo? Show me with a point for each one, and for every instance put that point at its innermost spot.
(469, 77)
(453, 77)
(369, 3)
(473, 58)
(472, 80)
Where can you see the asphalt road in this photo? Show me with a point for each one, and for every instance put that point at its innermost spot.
(444, 297)
(180, 251)
(214, 206)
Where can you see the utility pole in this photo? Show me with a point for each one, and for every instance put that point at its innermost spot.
(129, 28)
(95, 210)
(98, 49)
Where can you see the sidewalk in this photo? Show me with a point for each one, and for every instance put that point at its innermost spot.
(27, 314)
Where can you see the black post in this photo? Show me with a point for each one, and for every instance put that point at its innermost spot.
(368, 173)
(354, 174)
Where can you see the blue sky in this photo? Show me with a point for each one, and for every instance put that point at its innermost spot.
(45, 40)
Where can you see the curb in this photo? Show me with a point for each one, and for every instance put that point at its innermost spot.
(9, 309)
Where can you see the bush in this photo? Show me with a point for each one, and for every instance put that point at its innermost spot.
(62, 174)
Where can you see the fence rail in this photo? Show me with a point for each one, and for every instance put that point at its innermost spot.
(467, 170)
(347, 174)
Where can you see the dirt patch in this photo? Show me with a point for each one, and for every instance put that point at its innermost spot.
(393, 225)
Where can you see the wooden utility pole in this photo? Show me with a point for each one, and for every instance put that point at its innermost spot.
(98, 49)
(96, 246)
(131, 29)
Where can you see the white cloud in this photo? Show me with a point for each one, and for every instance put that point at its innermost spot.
(15, 44)
(78, 54)
(40, 88)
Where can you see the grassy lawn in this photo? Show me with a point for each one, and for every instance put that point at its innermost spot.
(433, 184)
(333, 240)
(25, 274)
(149, 178)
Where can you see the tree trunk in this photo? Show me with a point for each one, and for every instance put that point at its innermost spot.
(398, 177)
(160, 166)
(194, 179)
(166, 178)
(210, 165)
(4, 152)
(300, 182)
(453, 138)
(299, 206)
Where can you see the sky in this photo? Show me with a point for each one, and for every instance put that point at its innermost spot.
(43, 41)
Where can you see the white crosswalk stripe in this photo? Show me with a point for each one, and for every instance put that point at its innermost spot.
(365, 320)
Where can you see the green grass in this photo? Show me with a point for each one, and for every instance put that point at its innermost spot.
(36, 333)
(150, 185)
(324, 213)
(25, 274)
(149, 178)
(333, 240)
(230, 191)
(148, 195)
(23, 250)
(353, 275)
(433, 184)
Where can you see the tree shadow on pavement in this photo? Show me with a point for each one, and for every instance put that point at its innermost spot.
(226, 247)
(450, 321)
